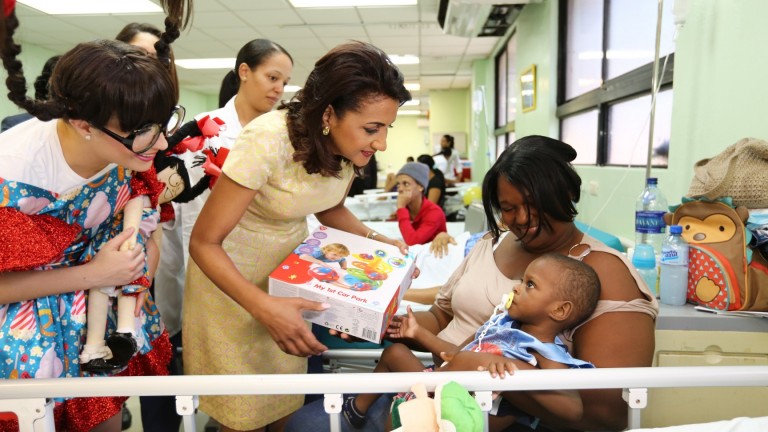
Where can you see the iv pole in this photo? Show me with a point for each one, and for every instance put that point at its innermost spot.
(654, 90)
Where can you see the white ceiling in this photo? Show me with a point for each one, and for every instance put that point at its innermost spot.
(220, 27)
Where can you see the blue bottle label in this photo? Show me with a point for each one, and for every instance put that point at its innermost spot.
(650, 222)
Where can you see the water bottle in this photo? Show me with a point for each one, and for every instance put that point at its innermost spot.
(644, 260)
(673, 278)
(650, 208)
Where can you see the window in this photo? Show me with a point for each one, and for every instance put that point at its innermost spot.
(507, 87)
(607, 49)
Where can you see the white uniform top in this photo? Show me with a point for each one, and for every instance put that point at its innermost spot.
(31, 153)
(449, 166)
(169, 280)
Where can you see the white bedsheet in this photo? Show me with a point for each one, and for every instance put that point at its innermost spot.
(739, 424)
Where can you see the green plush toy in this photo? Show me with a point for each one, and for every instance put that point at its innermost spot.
(453, 409)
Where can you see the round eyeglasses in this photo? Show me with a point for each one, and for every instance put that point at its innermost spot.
(144, 138)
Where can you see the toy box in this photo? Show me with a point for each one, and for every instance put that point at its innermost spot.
(362, 279)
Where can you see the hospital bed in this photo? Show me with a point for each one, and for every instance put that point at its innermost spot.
(31, 399)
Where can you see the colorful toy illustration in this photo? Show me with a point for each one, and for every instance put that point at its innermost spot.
(366, 273)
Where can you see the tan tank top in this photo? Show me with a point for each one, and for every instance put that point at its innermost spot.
(647, 305)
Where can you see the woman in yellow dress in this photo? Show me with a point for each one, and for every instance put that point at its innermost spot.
(285, 165)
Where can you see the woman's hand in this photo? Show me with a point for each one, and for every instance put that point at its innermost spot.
(282, 318)
(113, 267)
(439, 246)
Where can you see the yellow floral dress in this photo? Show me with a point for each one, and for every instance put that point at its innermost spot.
(220, 337)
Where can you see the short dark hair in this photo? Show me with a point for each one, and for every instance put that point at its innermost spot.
(345, 78)
(427, 160)
(96, 80)
(579, 284)
(540, 168)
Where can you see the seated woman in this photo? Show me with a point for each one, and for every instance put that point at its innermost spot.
(538, 210)
(419, 219)
(436, 186)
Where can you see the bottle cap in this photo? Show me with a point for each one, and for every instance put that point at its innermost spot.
(652, 180)
(675, 229)
(644, 257)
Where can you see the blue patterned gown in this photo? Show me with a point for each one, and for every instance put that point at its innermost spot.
(42, 338)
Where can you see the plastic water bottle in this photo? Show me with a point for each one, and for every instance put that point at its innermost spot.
(650, 208)
(644, 260)
(673, 278)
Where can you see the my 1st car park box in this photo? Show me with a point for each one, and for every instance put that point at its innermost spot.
(363, 281)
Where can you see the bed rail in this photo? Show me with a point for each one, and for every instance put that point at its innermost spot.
(30, 399)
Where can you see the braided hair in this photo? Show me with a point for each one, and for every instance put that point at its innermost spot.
(99, 79)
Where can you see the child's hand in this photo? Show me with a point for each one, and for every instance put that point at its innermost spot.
(403, 198)
(448, 356)
(500, 368)
(404, 327)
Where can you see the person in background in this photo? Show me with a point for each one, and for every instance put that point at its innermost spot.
(146, 36)
(530, 215)
(448, 161)
(436, 186)
(284, 166)
(419, 219)
(409, 159)
(262, 69)
(41, 94)
(65, 172)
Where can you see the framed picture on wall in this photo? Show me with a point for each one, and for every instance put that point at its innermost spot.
(528, 88)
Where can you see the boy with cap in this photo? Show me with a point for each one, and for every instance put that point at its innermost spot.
(419, 219)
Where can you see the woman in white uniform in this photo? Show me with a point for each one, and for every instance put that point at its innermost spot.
(262, 70)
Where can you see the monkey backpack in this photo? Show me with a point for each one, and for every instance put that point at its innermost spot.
(724, 272)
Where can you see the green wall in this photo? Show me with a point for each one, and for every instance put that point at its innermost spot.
(719, 92)
(33, 58)
(403, 140)
(719, 88)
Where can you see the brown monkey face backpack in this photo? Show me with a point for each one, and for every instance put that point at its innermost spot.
(724, 272)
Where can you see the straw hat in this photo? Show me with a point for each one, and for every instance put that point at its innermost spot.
(740, 172)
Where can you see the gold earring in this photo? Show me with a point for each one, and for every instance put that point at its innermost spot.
(326, 130)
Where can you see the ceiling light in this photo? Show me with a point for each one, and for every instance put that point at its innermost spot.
(413, 86)
(408, 112)
(349, 3)
(412, 102)
(404, 59)
(92, 7)
(206, 63)
(291, 88)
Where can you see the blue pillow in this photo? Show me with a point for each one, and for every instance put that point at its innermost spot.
(607, 238)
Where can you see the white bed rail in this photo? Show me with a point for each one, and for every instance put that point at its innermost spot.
(30, 399)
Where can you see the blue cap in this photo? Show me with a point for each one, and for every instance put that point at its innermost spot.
(652, 180)
(675, 229)
(644, 257)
